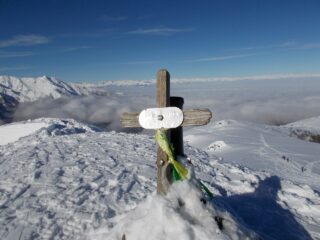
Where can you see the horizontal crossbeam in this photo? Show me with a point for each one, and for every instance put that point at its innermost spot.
(191, 117)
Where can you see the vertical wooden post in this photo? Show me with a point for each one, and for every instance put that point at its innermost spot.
(177, 133)
(163, 100)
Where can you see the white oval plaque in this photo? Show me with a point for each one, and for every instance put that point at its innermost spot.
(157, 118)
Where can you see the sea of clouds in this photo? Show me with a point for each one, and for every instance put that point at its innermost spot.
(265, 101)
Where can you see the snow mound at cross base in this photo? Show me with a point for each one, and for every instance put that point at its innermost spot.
(178, 215)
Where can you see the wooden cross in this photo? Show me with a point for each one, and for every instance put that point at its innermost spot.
(170, 119)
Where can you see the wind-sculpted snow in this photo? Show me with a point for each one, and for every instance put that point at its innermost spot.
(61, 186)
(95, 185)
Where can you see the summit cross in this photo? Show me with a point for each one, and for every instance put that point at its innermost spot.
(168, 116)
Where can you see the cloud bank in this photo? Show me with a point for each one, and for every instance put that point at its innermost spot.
(101, 111)
(270, 101)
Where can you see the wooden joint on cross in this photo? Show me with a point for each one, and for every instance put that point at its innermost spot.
(191, 117)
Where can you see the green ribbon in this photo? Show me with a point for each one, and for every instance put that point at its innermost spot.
(179, 171)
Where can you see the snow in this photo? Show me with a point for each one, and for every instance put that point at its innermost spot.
(178, 215)
(62, 179)
(62, 183)
(12, 132)
(58, 186)
(307, 124)
(259, 147)
(217, 145)
(307, 129)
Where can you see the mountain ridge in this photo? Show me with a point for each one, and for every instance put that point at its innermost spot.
(31, 89)
(14, 90)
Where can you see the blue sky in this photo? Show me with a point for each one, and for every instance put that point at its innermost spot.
(82, 40)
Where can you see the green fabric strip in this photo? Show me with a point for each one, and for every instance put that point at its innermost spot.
(179, 172)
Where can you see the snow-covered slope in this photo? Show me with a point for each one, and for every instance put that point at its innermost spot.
(260, 147)
(307, 129)
(311, 124)
(12, 132)
(100, 185)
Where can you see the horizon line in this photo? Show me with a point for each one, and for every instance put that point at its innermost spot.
(189, 79)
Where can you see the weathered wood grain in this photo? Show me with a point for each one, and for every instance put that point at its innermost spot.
(163, 88)
(191, 117)
(196, 117)
(130, 120)
(163, 100)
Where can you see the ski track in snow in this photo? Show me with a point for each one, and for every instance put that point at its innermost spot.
(70, 186)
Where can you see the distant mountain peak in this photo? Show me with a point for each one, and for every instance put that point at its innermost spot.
(28, 89)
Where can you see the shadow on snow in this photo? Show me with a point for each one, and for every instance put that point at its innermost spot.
(260, 212)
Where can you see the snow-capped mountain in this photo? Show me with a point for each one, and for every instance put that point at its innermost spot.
(100, 185)
(15, 90)
(32, 89)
